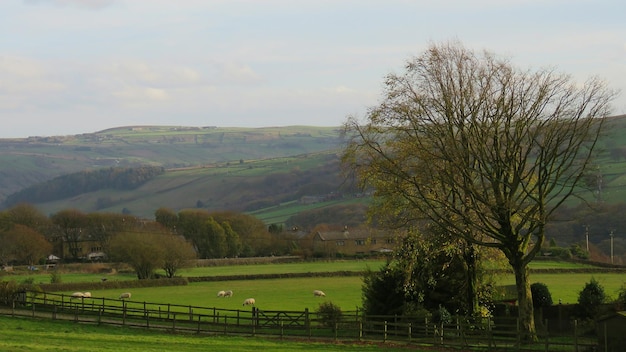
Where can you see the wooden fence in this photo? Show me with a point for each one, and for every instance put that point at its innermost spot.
(488, 334)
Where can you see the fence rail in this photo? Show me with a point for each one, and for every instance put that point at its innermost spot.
(485, 334)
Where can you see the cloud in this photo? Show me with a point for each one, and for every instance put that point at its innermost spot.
(141, 94)
(231, 72)
(25, 83)
(84, 4)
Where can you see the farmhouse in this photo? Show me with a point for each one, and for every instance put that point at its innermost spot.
(356, 242)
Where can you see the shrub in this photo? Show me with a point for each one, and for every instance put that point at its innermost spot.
(590, 299)
(442, 315)
(329, 314)
(55, 277)
(8, 292)
(541, 295)
(620, 301)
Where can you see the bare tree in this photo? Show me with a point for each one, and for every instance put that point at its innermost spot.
(481, 148)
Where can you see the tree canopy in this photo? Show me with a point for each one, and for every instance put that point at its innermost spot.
(483, 149)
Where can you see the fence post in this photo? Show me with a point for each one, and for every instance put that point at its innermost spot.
(100, 312)
(307, 322)
(54, 311)
(123, 312)
(198, 328)
(173, 321)
(225, 324)
(385, 331)
(146, 315)
(360, 330)
(190, 313)
(410, 334)
(575, 335)
(254, 320)
(547, 335)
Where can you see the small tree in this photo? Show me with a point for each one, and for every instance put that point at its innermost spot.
(177, 253)
(590, 299)
(381, 291)
(329, 314)
(541, 295)
(141, 250)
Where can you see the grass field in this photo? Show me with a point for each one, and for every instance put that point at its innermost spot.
(285, 294)
(295, 293)
(21, 335)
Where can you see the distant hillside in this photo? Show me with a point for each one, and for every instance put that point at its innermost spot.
(276, 174)
(30, 161)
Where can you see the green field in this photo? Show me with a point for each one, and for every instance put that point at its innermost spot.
(21, 335)
(285, 294)
(295, 293)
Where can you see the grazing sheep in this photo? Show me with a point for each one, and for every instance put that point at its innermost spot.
(221, 294)
(87, 294)
(125, 295)
(228, 293)
(77, 295)
(318, 293)
(248, 302)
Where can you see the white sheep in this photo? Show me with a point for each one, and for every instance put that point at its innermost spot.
(248, 302)
(87, 294)
(228, 293)
(77, 295)
(125, 295)
(318, 293)
(221, 294)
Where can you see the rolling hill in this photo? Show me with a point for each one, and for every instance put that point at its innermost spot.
(273, 173)
(241, 169)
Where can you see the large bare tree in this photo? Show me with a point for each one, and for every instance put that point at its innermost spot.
(486, 150)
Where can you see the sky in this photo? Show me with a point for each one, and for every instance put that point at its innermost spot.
(80, 66)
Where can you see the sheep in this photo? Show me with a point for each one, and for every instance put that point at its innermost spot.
(77, 295)
(125, 295)
(318, 293)
(221, 294)
(228, 293)
(87, 294)
(249, 301)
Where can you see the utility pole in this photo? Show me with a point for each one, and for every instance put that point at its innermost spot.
(587, 237)
(611, 234)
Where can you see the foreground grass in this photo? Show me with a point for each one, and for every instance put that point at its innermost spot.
(24, 334)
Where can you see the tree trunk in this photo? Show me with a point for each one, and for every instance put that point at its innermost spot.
(525, 303)
(472, 280)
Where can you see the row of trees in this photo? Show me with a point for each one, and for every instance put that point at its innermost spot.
(28, 237)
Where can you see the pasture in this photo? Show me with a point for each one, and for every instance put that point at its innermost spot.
(21, 335)
(296, 293)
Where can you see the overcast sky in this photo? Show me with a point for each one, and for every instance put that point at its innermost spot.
(80, 66)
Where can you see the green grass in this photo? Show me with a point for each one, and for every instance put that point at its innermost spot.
(19, 334)
(305, 267)
(271, 294)
(567, 286)
(295, 293)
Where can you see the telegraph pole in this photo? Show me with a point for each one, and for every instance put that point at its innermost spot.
(611, 234)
